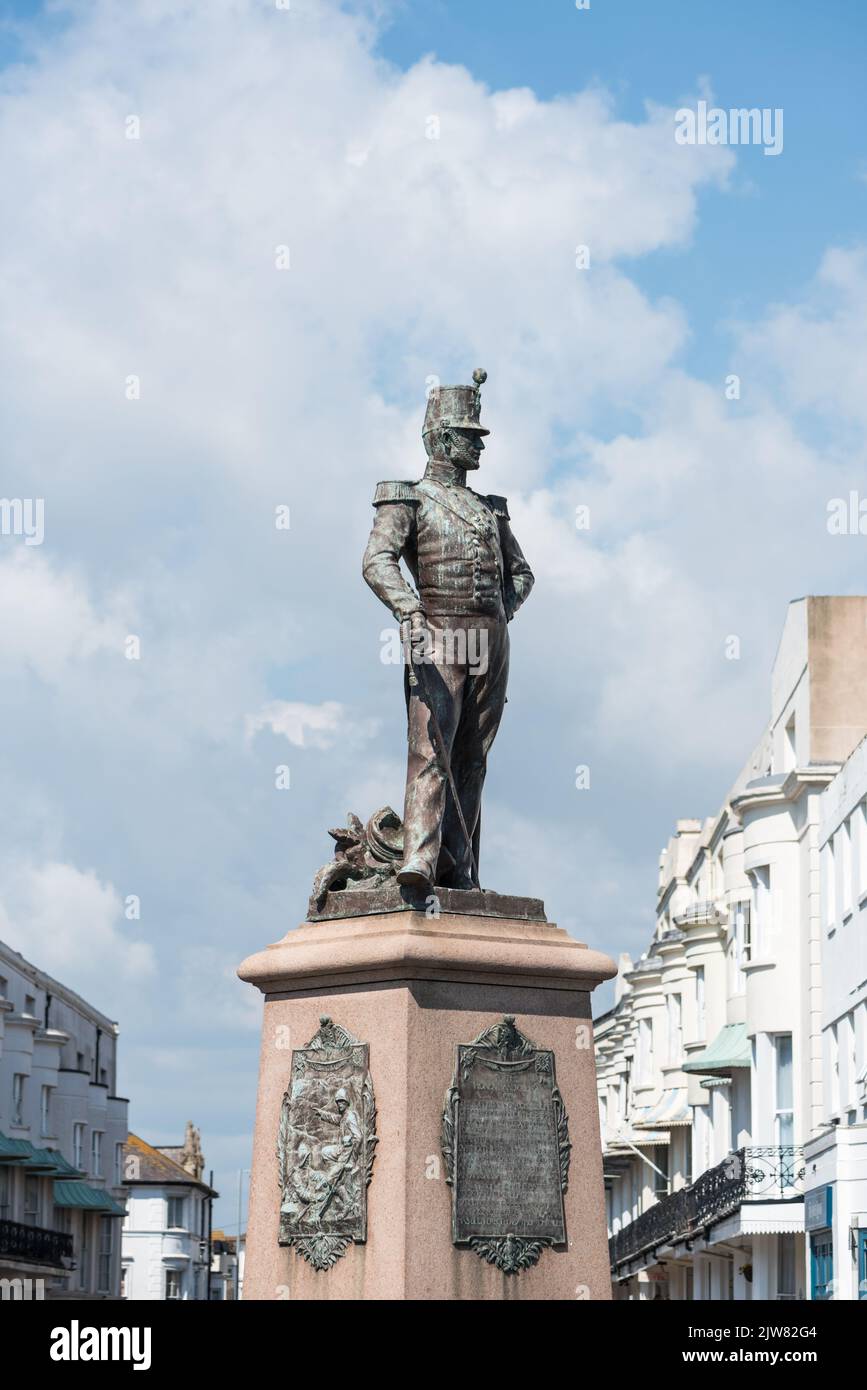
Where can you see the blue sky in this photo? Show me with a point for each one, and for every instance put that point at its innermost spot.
(409, 256)
(758, 245)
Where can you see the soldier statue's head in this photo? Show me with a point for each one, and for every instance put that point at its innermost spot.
(452, 432)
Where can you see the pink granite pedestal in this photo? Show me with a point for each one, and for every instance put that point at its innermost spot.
(413, 987)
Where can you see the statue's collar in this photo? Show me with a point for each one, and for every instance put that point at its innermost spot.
(440, 471)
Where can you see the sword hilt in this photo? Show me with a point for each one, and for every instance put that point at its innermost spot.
(406, 644)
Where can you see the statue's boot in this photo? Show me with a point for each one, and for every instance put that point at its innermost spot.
(415, 873)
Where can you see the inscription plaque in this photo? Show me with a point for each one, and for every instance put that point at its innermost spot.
(326, 1145)
(506, 1148)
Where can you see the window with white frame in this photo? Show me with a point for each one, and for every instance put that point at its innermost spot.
(833, 1070)
(78, 1146)
(18, 1081)
(96, 1153)
(645, 1049)
(784, 1090)
(740, 944)
(848, 1048)
(830, 882)
(674, 1013)
(790, 746)
(845, 837)
(861, 846)
(106, 1249)
(700, 1005)
(45, 1111)
(173, 1283)
(760, 924)
(176, 1212)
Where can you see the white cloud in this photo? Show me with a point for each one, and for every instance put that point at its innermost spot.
(311, 726)
(69, 923)
(47, 618)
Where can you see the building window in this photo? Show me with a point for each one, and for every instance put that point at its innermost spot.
(78, 1146)
(845, 834)
(118, 1164)
(18, 1098)
(784, 1118)
(45, 1111)
(84, 1255)
(173, 1283)
(822, 1265)
(846, 1038)
(5, 1188)
(741, 943)
(103, 1272)
(787, 1266)
(30, 1006)
(124, 1281)
(830, 877)
(645, 1049)
(861, 841)
(761, 923)
(661, 1178)
(834, 1069)
(675, 1028)
(700, 1017)
(96, 1153)
(79, 1061)
(31, 1200)
(176, 1213)
(790, 746)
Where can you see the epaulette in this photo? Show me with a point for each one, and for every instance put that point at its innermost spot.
(399, 491)
(497, 505)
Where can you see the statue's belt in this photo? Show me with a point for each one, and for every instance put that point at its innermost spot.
(434, 492)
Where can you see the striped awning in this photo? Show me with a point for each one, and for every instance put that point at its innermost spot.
(639, 1138)
(729, 1051)
(672, 1108)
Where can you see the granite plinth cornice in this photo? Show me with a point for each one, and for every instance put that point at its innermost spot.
(409, 946)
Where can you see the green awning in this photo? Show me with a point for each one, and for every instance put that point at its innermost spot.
(729, 1050)
(63, 1167)
(22, 1152)
(13, 1150)
(48, 1161)
(78, 1194)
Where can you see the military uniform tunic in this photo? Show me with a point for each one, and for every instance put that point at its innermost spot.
(471, 577)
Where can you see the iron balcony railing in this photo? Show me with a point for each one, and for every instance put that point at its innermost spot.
(770, 1173)
(32, 1243)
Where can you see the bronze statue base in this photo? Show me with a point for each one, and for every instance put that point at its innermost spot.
(395, 897)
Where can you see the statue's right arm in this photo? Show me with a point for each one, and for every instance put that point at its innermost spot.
(392, 529)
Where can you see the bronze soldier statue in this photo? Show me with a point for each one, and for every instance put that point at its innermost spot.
(471, 578)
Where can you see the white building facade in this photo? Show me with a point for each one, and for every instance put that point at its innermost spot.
(62, 1134)
(167, 1244)
(715, 1062)
(836, 1156)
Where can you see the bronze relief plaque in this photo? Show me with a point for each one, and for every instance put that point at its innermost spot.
(506, 1148)
(326, 1146)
